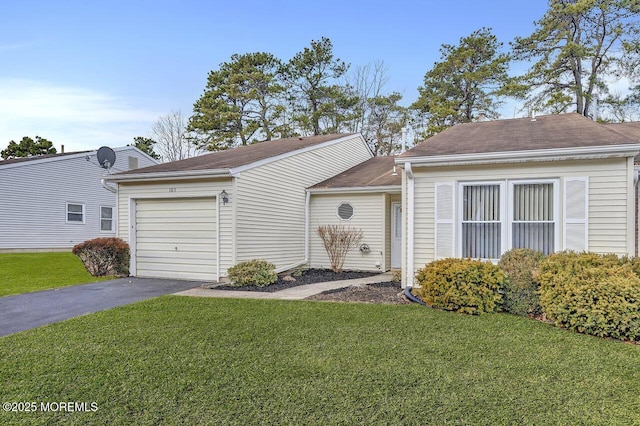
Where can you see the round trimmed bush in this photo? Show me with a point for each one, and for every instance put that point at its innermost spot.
(592, 294)
(521, 289)
(253, 272)
(461, 285)
(104, 256)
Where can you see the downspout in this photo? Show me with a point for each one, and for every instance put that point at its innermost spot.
(306, 237)
(107, 187)
(218, 197)
(636, 178)
(410, 218)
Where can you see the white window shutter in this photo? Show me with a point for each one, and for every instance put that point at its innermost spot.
(444, 220)
(576, 214)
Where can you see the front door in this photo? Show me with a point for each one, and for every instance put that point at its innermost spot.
(396, 235)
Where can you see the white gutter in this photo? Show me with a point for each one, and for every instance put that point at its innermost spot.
(107, 187)
(551, 154)
(409, 273)
(359, 189)
(174, 175)
(306, 237)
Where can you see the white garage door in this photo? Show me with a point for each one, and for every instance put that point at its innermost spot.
(176, 238)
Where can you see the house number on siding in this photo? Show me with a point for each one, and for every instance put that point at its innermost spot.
(172, 189)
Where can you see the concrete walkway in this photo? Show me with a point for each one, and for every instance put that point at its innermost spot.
(293, 293)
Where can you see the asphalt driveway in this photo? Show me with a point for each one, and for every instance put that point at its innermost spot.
(25, 311)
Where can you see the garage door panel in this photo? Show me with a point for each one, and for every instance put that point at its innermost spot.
(189, 225)
(203, 226)
(171, 236)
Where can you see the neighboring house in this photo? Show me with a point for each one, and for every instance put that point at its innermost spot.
(195, 218)
(53, 202)
(551, 183)
(365, 197)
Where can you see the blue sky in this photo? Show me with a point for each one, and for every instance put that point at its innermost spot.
(92, 73)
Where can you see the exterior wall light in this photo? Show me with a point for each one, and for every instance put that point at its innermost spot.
(224, 196)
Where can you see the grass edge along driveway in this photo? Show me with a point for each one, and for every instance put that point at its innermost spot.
(180, 360)
(27, 272)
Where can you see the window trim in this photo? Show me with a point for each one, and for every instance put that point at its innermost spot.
(507, 199)
(353, 210)
(75, 222)
(556, 207)
(112, 218)
(460, 213)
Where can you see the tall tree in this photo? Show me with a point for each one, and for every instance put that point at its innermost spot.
(146, 145)
(242, 102)
(319, 103)
(376, 114)
(27, 147)
(172, 140)
(576, 46)
(466, 84)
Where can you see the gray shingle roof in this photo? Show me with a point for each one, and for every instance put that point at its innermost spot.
(239, 156)
(521, 134)
(377, 171)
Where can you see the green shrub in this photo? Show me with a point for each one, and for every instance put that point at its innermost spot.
(461, 285)
(104, 256)
(591, 293)
(520, 295)
(253, 272)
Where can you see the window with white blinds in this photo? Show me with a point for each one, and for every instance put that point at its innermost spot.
(481, 222)
(533, 224)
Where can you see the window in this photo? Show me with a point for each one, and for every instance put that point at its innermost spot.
(533, 219)
(481, 221)
(345, 211)
(75, 213)
(106, 219)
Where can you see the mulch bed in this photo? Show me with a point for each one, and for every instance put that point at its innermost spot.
(385, 292)
(309, 276)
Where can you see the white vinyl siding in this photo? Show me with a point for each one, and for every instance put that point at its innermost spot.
(128, 194)
(34, 194)
(609, 194)
(176, 238)
(270, 200)
(370, 219)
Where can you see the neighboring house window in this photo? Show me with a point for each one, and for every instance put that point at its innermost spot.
(481, 221)
(345, 211)
(106, 219)
(75, 213)
(534, 216)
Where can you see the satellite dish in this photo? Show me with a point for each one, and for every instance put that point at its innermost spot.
(106, 157)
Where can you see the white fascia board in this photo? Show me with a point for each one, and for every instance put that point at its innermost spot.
(236, 170)
(47, 160)
(178, 175)
(579, 153)
(357, 189)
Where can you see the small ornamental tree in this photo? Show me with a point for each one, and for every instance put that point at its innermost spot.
(338, 240)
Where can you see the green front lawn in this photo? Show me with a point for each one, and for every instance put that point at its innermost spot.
(26, 272)
(179, 360)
